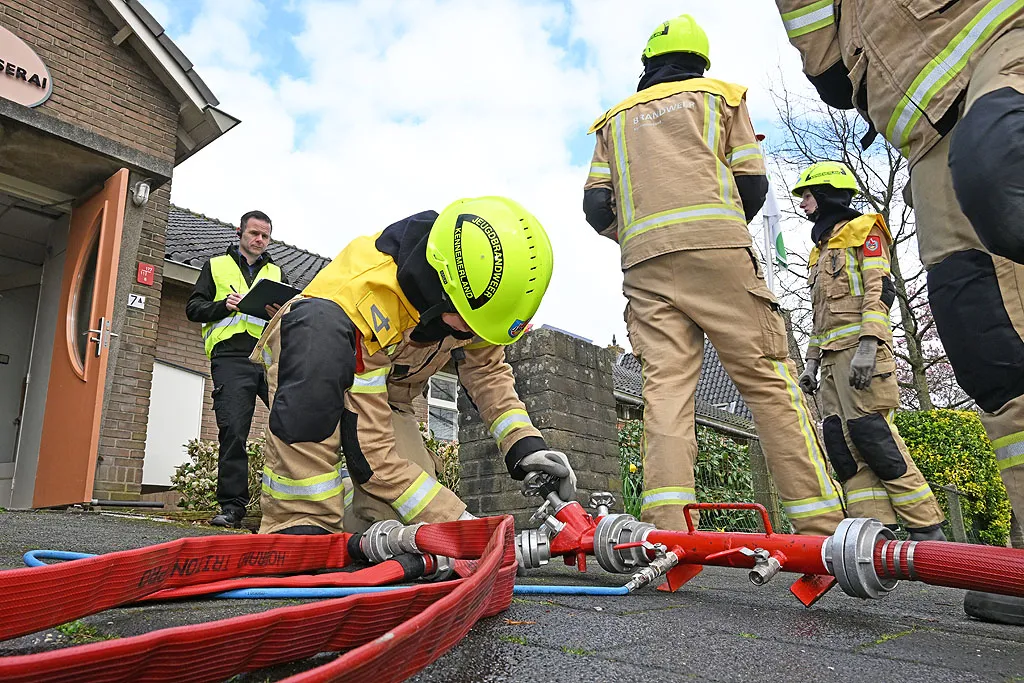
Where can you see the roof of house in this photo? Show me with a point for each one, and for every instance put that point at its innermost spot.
(200, 121)
(193, 239)
(717, 396)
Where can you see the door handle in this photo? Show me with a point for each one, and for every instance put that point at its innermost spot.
(103, 340)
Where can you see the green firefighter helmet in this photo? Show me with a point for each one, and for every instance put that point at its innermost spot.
(681, 34)
(494, 260)
(832, 173)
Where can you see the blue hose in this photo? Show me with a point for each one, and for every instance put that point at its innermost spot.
(34, 558)
(522, 589)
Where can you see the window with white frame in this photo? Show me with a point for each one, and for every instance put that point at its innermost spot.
(443, 409)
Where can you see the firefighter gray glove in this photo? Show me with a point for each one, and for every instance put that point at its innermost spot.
(809, 377)
(555, 464)
(862, 367)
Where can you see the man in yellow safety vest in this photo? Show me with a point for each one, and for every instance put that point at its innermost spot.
(229, 337)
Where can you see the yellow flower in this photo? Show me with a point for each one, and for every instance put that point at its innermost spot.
(632, 468)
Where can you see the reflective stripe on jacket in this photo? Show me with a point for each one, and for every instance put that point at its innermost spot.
(847, 281)
(909, 61)
(228, 279)
(670, 155)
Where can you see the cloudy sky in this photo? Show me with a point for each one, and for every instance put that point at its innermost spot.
(356, 113)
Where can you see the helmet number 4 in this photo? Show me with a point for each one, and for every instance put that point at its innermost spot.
(379, 320)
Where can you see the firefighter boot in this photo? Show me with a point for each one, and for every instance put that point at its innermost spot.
(991, 607)
(230, 518)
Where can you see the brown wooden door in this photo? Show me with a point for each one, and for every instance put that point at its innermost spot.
(74, 396)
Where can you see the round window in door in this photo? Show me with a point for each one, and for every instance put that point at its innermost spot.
(80, 309)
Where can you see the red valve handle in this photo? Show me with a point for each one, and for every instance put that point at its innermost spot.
(728, 506)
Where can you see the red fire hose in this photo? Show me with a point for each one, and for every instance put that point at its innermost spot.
(422, 621)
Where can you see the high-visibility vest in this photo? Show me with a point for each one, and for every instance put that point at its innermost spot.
(227, 274)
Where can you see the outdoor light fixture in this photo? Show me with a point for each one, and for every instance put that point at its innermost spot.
(140, 193)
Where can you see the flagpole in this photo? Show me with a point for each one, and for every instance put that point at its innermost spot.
(767, 214)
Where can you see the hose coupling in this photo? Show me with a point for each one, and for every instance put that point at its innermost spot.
(385, 539)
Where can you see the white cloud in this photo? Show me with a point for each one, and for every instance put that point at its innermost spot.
(409, 105)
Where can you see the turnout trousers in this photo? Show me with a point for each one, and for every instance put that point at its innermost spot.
(977, 298)
(311, 367)
(673, 301)
(870, 459)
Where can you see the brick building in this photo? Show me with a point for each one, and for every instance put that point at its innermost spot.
(97, 107)
(181, 384)
(102, 379)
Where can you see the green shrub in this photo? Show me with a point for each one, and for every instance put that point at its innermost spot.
(951, 449)
(631, 466)
(196, 478)
(722, 474)
(446, 456)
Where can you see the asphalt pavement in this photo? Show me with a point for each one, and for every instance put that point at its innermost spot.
(719, 627)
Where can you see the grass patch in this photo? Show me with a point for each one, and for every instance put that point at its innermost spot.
(748, 635)
(80, 633)
(886, 637)
(518, 640)
(524, 601)
(576, 651)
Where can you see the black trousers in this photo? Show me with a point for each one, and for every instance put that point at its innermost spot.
(236, 384)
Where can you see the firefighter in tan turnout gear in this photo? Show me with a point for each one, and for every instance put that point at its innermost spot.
(349, 355)
(943, 81)
(851, 341)
(676, 176)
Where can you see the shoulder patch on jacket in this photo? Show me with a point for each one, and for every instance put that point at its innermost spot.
(873, 246)
(380, 312)
(732, 93)
(854, 233)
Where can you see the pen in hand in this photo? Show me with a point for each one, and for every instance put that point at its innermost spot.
(233, 306)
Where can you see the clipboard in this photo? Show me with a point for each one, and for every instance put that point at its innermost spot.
(263, 294)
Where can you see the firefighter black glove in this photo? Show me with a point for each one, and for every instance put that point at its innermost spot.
(555, 464)
(809, 377)
(862, 367)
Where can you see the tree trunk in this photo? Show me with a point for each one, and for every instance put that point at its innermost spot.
(912, 336)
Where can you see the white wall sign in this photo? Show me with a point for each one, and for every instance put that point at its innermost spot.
(24, 77)
(136, 301)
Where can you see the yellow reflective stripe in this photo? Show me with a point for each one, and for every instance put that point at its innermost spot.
(813, 17)
(876, 263)
(1009, 450)
(508, 422)
(416, 497)
(668, 495)
(712, 131)
(744, 152)
(599, 169)
(835, 333)
(319, 487)
(853, 273)
(920, 493)
(812, 507)
(681, 215)
(859, 495)
(373, 382)
(236, 319)
(874, 317)
(810, 436)
(945, 67)
(622, 164)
